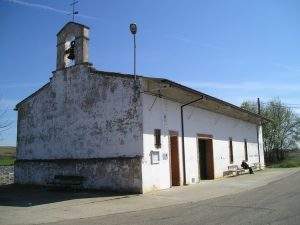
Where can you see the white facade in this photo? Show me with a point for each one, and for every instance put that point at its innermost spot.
(100, 126)
(165, 115)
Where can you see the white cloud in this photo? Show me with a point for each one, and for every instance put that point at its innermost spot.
(40, 6)
(48, 8)
(287, 67)
(243, 91)
(186, 40)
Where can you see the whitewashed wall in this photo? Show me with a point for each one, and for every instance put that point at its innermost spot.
(165, 115)
(261, 146)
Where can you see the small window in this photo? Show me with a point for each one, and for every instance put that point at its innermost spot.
(230, 150)
(246, 150)
(157, 136)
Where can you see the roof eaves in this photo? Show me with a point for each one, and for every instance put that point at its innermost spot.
(214, 99)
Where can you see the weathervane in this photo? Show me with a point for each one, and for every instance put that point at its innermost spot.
(73, 9)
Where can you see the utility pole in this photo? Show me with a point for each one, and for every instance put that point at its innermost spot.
(258, 129)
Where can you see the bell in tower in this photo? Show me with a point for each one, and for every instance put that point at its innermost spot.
(72, 45)
(71, 51)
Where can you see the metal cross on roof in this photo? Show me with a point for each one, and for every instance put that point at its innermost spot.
(73, 9)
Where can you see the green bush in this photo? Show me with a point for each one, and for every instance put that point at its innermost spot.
(293, 160)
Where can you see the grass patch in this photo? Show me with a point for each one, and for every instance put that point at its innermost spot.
(7, 155)
(293, 160)
(7, 161)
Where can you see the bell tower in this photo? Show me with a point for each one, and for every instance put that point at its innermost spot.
(72, 45)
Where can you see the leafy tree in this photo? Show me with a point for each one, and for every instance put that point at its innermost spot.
(283, 131)
(250, 106)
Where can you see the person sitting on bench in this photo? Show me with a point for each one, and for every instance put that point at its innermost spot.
(245, 166)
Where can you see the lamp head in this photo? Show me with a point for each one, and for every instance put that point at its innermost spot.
(133, 28)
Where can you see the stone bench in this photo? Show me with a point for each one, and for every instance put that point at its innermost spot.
(234, 170)
(67, 181)
(255, 166)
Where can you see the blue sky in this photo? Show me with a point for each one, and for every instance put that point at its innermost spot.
(233, 49)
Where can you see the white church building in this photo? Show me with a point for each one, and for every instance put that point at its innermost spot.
(123, 133)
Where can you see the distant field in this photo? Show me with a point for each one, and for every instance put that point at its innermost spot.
(7, 155)
(293, 160)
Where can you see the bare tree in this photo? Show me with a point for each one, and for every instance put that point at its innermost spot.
(5, 124)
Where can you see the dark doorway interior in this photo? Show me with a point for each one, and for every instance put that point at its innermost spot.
(174, 161)
(206, 163)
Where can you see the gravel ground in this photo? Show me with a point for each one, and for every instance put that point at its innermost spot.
(6, 175)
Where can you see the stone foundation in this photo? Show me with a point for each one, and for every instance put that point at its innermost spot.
(110, 174)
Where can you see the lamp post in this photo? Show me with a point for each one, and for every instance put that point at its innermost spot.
(133, 30)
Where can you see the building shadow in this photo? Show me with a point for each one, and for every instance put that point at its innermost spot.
(29, 195)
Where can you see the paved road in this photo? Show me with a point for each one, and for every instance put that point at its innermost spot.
(276, 203)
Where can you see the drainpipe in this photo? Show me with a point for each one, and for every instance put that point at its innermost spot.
(182, 137)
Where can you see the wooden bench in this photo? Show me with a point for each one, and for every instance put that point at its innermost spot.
(234, 170)
(67, 181)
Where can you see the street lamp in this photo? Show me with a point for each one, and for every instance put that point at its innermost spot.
(133, 30)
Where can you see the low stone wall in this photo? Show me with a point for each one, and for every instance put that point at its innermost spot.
(6, 175)
(111, 174)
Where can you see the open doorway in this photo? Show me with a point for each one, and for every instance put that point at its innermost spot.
(206, 159)
(174, 159)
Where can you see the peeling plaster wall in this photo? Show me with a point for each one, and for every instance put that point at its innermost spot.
(113, 174)
(165, 115)
(81, 115)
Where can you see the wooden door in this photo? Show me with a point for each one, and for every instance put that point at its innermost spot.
(202, 159)
(206, 159)
(209, 160)
(174, 161)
